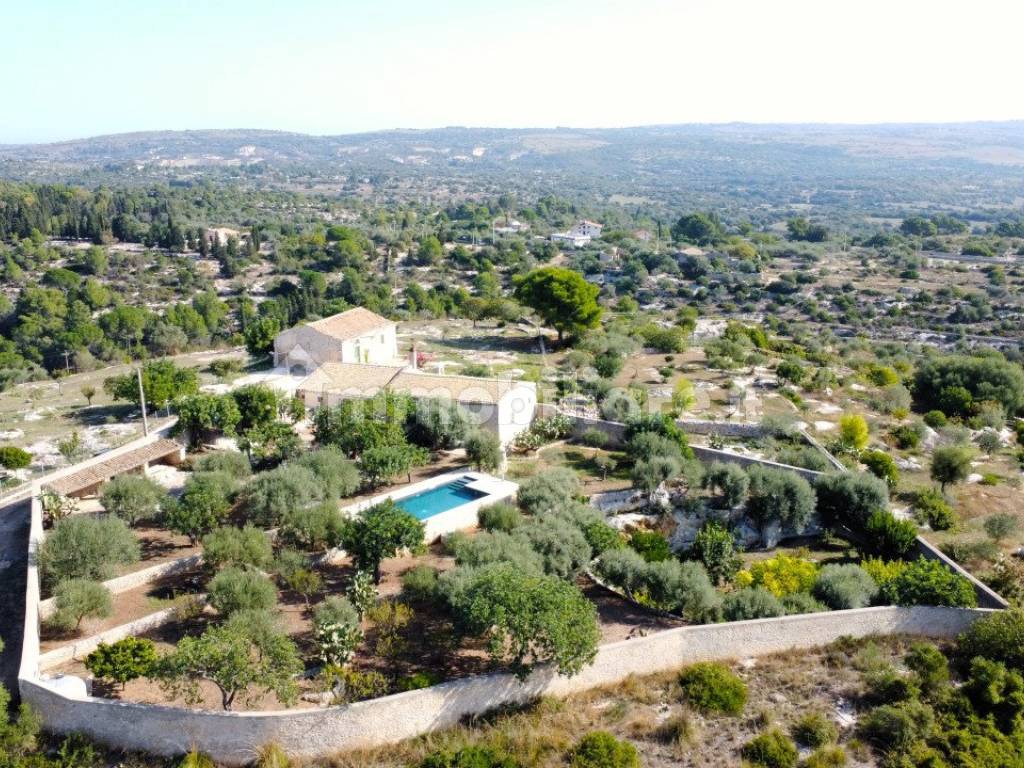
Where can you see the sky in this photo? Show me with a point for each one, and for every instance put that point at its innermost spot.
(78, 68)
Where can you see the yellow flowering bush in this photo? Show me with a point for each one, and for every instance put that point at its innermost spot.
(781, 575)
(882, 571)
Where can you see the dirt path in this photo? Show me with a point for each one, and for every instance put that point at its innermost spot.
(14, 527)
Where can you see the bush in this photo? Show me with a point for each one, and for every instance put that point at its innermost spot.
(203, 504)
(548, 491)
(710, 687)
(132, 498)
(897, 727)
(930, 668)
(842, 587)
(498, 547)
(908, 436)
(594, 438)
(751, 603)
(469, 757)
(935, 419)
(338, 477)
(234, 589)
(826, 757)
(418, 680)
(313, 528)
(781, 575)
(801, 602)
(127, 659)
(929, 582)
(887, 686)
(887, 537)
(999, 637)
(484, 451)
(419, 583)
(561, 545)
(1001, 525)
(243, 547)
(848, 499)
(499, 517)
(882, 466)
(78, 599)
(272, 494)
(815, 730)
(12, 457)
(650, 545)
(771, 749)
(599, 749)
(86, 547)
(930, 507)
(882, 571)
(336, 630)
(232, 463)
(715, 548)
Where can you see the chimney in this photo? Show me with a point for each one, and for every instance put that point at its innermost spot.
(412, 357)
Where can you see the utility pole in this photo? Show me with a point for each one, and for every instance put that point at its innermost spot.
(142, 402)
(67, 361)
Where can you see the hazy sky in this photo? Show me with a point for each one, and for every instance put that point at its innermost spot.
(74, 68)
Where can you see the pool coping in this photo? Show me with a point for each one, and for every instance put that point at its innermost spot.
(457, 518)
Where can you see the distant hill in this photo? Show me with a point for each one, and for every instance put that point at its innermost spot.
(892, 164)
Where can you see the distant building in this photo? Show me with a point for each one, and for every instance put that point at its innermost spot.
(586, 228)
(565, 240)
(581, 233)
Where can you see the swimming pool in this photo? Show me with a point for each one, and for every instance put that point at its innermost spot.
(437, 500)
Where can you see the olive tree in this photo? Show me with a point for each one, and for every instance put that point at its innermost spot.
(236, 589)
(271, 494)
(951, 464)
(132, 498)
(483, 450)
(78, 599)
(549, 490)
(86, 547)
(240, 547)
(778, 496)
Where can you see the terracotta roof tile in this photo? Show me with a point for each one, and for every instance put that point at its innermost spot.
(350, 324)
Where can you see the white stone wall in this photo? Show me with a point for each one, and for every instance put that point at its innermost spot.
(234, 738)
(516, 411)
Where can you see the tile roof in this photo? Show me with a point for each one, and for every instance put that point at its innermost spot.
(114, 466)
(350, 324)
(361, 380)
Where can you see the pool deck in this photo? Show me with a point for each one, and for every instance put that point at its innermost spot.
(457, 518)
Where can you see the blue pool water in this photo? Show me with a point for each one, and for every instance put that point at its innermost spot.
(436, 500)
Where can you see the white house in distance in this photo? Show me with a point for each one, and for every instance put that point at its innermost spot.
(581, 233)
(354, 336)
(354, 355)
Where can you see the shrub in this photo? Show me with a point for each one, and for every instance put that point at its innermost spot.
(907, 436)
(930, 507)
(710, 687)
(12, 457)
(845, 586)
(815, 730)
(418, 680)
(483, 450)
(271, 494)
(499, 517)
(242, 547)
(78, 599)
(897, 727)
(715, 548)
(729, 480)
(318, 527)
(132, 498)
(650, 545)
(887, 686)
(124, 660)
(929, 665)
(594, 438)
(935, 419)
(271, 756)
(882, 571)
(203, 504)
(771, 749)
(601, 537)
(498, 547)
(234, 589)
(548, 491)
(561, 545)
(351, 685)
(196, 759)
(751, 603)
(781, 575)
(1001, 525)
(888, 537)
(929, 582)
(437, 423)
(337, 475)
(86, 547)
(599, 749)
(826, 757)
(469, 757)
(419, 583)
(848, 499)
(801, 602)
(999, 637)
(336, 630)
(233, 463)
(882, 466)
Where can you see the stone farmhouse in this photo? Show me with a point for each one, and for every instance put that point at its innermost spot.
(354, 355)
